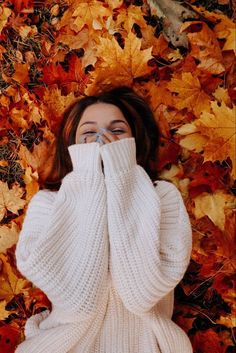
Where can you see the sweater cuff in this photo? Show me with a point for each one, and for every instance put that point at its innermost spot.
(119, 156)
(85, 157)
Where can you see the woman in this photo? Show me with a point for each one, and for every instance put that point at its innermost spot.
(105, 242)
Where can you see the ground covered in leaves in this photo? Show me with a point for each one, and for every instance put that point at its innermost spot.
(54, 52)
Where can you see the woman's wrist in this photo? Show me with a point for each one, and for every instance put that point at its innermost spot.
(118, 156)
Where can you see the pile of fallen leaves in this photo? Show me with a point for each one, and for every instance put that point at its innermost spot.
(53, 52)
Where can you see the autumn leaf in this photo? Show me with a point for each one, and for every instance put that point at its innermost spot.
(57, 75)
(11, 284)
(128, 16)
(10, 199)
(213, 206)
(204, 46)
(118, 65)
(83, 13)
(219, 127)
(190, 95)
(208, 341)
(4, 14)
(21, 73)
(8, 236)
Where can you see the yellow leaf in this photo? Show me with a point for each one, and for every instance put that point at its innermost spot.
(220, 129)
(221, 94)
(10, 283)
(131, 60)
(119, 66)
(193, 142)
(4, 14)
(3, 312)
(8, 236)
(211, 205)
(128, 16)
(10, 199)
(87, 12)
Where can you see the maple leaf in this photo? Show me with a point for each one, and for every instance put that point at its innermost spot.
(10, 199)
(10, 283)
(219, 128)
(119, 66)
(54, 112)
(222, 95)
(224, 27)
(82, 13)
(128, 16)
(8, 236)
(189, 93)
(55, 74)
(41, 158)
(204, 47)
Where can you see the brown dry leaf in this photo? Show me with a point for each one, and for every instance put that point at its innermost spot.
(10, 283)
(220, 129)
(190, 94)
(8, 236)
(204, 47)
(10, 199)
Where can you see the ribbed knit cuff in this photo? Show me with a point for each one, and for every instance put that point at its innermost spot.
(86, 157)
(118, 156)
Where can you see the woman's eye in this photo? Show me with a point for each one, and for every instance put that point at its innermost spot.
(118, 130)
(89, 132)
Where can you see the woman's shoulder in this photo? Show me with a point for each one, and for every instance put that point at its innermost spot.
(43, 197)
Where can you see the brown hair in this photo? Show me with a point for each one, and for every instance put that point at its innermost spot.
(137, 113)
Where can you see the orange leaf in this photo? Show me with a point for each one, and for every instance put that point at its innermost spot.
(204, 46)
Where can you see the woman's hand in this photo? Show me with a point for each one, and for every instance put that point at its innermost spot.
(108, 137)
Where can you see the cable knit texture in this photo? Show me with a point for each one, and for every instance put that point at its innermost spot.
(108, 249)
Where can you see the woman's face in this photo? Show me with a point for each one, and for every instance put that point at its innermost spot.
(102, 115)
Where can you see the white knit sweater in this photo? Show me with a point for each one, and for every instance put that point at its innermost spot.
(108, 252)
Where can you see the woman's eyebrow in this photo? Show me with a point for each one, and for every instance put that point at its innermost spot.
(112, 122)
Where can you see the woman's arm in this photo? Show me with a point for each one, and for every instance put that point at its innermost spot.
(63, 244)
(149, 229)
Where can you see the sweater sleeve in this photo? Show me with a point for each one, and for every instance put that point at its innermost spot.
(63, 249)
(149, 229)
